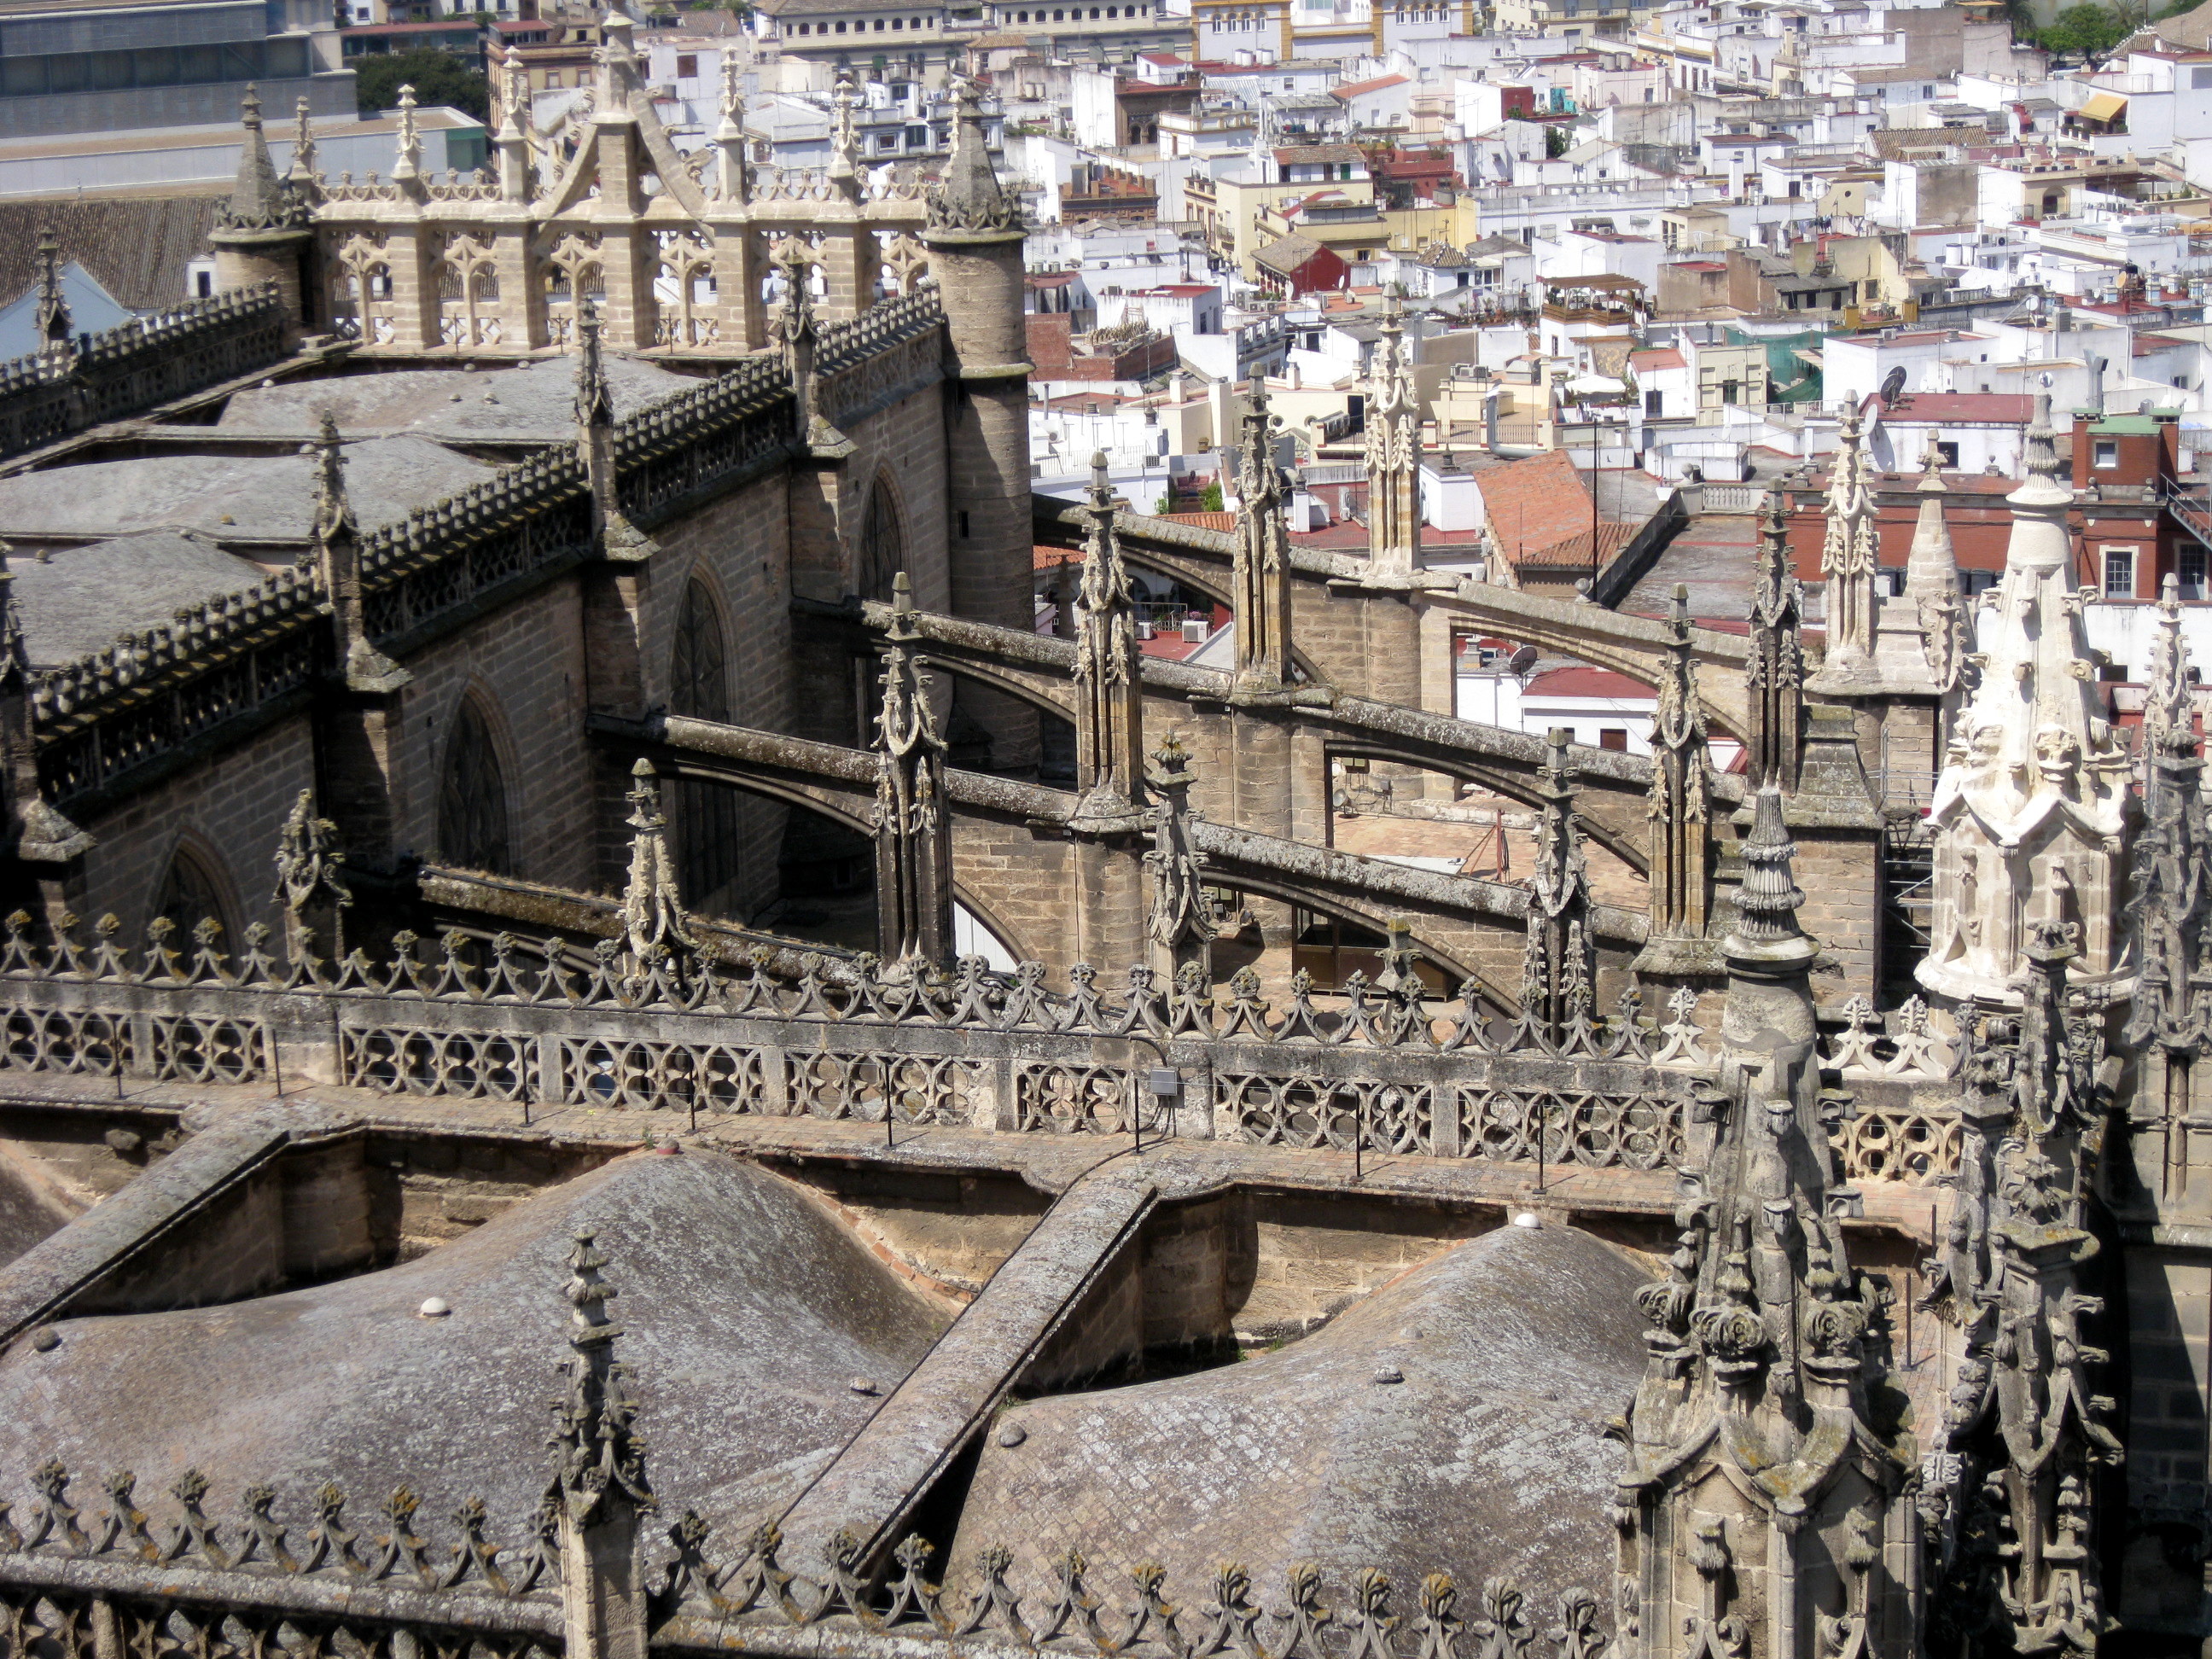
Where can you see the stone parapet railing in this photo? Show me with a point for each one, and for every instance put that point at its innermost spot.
(243, 1576)
(45, 396)
(1380, 1067)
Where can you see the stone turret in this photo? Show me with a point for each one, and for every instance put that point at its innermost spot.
(2031, 808)
(263, 232)
(974, 236)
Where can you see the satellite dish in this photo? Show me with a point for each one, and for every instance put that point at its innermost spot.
(1521, 661)
(1892, 384)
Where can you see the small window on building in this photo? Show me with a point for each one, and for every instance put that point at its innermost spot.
(203, 283)
(2191, 573)
(1614, 738)
(1654, 404)
(2120, 572)
(2200, 79)
(840, 28)
(687, 66)
(1947, 454)
(2105, 453)
(552, 80)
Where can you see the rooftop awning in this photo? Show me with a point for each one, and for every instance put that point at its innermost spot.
(2103, 106)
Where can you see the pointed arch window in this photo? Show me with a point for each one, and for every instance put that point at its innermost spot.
(883, 546)
(190, 895)
(699, 673)
(472, 827)
(706, 813)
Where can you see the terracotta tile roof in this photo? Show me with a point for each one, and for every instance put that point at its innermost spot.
(1537, 504)
(1225, 521)
(1583, 681)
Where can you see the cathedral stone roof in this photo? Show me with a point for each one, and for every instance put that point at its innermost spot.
(535, 401)
(1511, 1352)
(748, 1311)
(229, 498)
(74, 600)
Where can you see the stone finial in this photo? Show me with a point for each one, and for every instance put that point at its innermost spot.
(844, 172)
(1260, 569)
(1393, 454)
(913, 829)
(656, 932)
(596, 1451)
(1109, 671)
(310, 878)
(300, 176)
(734, 173)
(1559, 968)
(53, 313)
(1179, 922)
(1774, 670)
(970, 198)
(1767, 931)
(407, 170)
(594, 403)
(333, 511)
(2168, 895)
(1680, 801)
(1850, 559)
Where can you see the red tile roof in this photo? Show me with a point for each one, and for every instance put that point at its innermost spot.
(1986, 408)
(1535, 504)
(1583, 682)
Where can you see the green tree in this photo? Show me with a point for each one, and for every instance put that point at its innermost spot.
(438, 77)
(1556, 139)
(1210, 501)
(2085, 28)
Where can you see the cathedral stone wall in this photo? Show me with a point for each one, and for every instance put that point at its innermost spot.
(523, 664)
(228, 810)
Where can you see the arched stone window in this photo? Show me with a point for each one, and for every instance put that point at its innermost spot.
(472, 829)
(190, 895)
(883, 546)
(706, 813)
(699, 674)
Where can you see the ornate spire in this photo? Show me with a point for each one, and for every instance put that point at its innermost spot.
(1849, 561)
(1109, 681)
(407, 170)
(970, 198)
(333, 513)
(913, 830)
(1774, 669)
(656, 933)
(258, 201)
(336, 556)
(1760, 1375)
(2025, 1435)
(1261, 576)
(310, 879)
(1180, 924)
(1393, 456)
(2167, 897)
(844, 140)
(2031, 808)
(594, 405)
(734, 177)
(597, 1453)
(511, 79)
(1559, 968)
(1680, 801)
(53, 313)
(300, 178)
(1931, 586)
